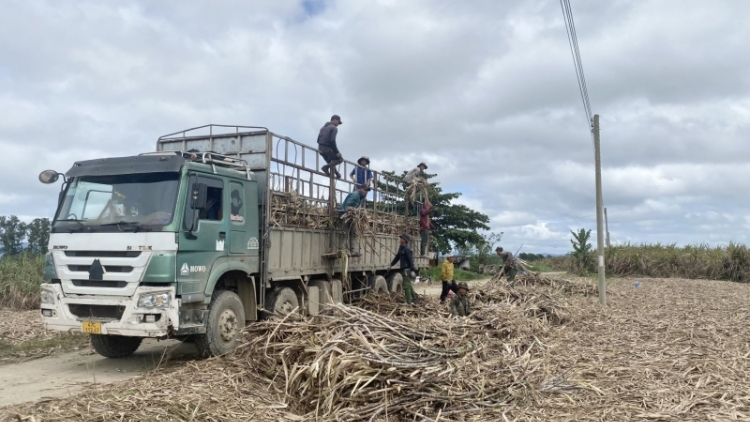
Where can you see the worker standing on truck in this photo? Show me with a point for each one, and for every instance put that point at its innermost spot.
(446, 276)
(350, 226)
(509, 263)
(425, 225)
(415, 174)
(327, 146)
(405, 257)
(460, 306)
(362, 175)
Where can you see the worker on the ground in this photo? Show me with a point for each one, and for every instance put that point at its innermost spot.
(362, 175)
(460, 304)
(327, 146)
(446, 276)
(350, 227)
(509, 263)
(425, 225)
(416, 174)
(404, 256)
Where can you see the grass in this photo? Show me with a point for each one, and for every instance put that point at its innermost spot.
(20, 278)
(458, 274)
(541, 267)
(729, 262)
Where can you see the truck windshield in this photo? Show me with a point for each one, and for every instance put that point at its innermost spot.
(121, 202)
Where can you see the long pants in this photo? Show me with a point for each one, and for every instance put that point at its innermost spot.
(350, 233)
(329, 156)
(448, 286)
(425, 236)
(511, 273)
(408, 288)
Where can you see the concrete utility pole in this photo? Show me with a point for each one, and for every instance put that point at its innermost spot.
(599, 206)
(606, 226)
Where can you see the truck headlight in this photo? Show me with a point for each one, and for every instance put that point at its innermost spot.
(158, 300)
(48, 297)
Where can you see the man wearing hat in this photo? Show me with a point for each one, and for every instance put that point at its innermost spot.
(460, 304)
(446, 276)
(362, 175)
(327, 146)
(404, 256)
(415, 174)
(509, 263)
(350, 228)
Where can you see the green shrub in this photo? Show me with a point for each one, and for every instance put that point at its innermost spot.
(20, 278)
(731, 262)
(458, 274)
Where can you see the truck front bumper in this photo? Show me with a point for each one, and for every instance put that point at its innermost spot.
(118, 315)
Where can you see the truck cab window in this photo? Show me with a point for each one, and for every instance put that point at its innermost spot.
(213, 211)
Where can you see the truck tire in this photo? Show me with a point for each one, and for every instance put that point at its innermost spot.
(378, 285)
(395, 283)
(326, 292)
(115, 346)
(281, 301)
(226, 318)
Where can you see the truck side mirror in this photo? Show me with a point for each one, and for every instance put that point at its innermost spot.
(200, 196)
(49, 176)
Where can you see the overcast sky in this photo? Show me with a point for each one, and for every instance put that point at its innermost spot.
(484, 91)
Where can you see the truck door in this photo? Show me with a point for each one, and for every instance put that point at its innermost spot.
(238, 239)
(205, 246)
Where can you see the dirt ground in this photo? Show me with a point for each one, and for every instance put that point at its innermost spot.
(64, 374)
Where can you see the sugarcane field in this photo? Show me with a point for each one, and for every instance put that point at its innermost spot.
(190, 232)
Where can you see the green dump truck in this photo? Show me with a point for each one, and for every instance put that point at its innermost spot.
(220, 226)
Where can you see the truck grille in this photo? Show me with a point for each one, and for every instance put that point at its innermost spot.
(98, 283)
(107, 268)
(97, 311)
(104, 254)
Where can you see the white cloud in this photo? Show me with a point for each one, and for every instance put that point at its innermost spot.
(484, 92)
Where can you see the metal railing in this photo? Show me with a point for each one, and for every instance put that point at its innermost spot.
(298, 167)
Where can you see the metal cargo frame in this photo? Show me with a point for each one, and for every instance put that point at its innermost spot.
(282, 165)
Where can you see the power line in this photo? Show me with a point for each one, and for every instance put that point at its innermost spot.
(577, 63)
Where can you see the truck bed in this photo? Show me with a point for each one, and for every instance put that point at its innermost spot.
(298, 203)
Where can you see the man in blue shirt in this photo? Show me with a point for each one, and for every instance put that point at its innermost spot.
(353, 200)
(362, 175)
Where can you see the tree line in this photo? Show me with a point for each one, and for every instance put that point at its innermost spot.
(17, 237)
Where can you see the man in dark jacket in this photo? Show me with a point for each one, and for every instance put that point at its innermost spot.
(509, 264)
(405, 257)
(327, 146)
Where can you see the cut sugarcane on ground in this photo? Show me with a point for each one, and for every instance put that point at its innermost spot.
(669, 349)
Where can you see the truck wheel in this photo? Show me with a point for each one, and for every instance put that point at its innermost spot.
(378, 285)
(281, 301)
(115, 346)
(395, 281)
(226, 318)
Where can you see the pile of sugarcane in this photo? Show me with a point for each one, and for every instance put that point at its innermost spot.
(419, 188)
(580, 286)
(352, 364)
(291, 209)
(369, 222)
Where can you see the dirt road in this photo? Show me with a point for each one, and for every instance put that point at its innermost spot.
(64, 374)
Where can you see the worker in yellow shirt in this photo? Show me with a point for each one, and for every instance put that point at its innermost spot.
(446, 276)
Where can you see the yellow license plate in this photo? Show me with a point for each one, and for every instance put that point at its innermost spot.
(92, 327)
